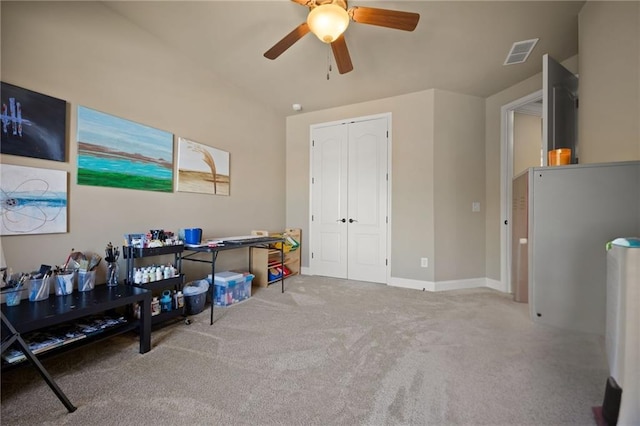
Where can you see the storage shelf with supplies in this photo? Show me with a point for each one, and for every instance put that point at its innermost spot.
(172, 283)
(266, 264)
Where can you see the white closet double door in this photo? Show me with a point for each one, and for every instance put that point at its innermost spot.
(349, 200)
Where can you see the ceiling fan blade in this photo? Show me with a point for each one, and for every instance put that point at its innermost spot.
(288, 40)
(341, 54)
(303, 2)
(406, 21)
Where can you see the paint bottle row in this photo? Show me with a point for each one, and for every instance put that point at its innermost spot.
(153, 273)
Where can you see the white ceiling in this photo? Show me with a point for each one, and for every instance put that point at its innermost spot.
(458, 46)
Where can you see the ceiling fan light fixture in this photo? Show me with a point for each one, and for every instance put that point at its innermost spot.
(328, 22)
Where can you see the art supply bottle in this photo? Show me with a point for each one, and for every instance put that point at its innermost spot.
(165, 301)
(159, 275)
(178, 300)
(155, 307)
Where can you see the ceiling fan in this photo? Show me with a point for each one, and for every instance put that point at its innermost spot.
(328, 19)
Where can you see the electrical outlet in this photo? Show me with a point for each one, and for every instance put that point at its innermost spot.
(424, 262)
(475, 206)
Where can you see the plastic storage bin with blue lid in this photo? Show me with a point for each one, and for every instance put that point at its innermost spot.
(231, 287)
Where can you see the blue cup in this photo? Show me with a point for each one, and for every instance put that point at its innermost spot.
(192, 235)
(14, 297)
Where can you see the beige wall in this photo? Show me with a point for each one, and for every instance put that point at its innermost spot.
(527, 141)
(422, 124)
(609, 113)
(84, 53)
(412, 175)
(609, 125)
(458, 176)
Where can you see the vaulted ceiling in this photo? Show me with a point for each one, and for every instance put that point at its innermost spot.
(458, 46)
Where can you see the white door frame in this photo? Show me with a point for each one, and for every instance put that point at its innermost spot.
(387, 116)
(506, 178)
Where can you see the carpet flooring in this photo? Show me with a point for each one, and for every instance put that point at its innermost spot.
(329, 352)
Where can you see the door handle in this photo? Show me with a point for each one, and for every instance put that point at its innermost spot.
(343, 220)
(352, 220)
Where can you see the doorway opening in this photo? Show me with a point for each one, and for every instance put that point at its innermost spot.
(529, 105)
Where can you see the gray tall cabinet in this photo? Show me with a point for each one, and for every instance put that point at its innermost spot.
(566, 215)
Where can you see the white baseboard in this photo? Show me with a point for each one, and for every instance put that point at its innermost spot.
(460, 284)
(438, 285)
(497, 285)
(447, 285)
(409, 283)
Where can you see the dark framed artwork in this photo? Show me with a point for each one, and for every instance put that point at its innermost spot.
(119, 153)
(32, 124)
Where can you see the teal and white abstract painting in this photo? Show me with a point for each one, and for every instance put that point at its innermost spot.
(34, 200)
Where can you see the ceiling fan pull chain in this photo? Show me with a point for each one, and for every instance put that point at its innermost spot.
(328, 60)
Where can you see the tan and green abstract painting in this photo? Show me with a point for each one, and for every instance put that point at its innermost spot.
(202, 168)
(119, 153)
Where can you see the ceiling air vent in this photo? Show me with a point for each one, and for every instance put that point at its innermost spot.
(520, 51)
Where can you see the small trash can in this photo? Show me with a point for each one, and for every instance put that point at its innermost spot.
(195, 295)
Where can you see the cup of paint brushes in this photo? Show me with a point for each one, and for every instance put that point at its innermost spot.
(111, 257)
(39, 288)
(86, 280)
(14, 295)
(64, 282)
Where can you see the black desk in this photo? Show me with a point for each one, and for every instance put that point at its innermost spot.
(30, 316)
(231, 245)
